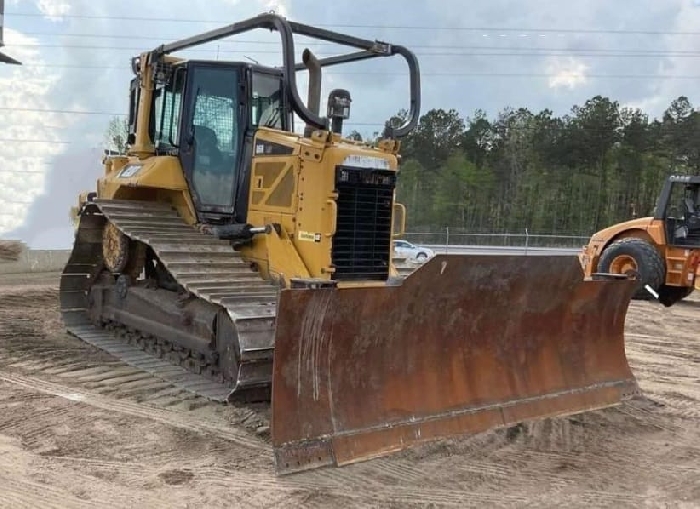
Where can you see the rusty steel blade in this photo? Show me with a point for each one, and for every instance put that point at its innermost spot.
(463, 345)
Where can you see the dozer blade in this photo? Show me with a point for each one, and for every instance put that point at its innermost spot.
(463, 345)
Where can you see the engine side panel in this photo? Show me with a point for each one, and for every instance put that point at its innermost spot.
(295, 183)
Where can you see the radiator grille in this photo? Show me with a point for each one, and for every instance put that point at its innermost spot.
(362, 241)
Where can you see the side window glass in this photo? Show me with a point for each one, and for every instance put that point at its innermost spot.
(266, 103)
(216, 134)
(165, 119)
(134, 95)
(675, 206)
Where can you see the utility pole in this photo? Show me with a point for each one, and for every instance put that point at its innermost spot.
(4, 58)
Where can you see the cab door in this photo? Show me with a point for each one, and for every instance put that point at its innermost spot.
(214, 121)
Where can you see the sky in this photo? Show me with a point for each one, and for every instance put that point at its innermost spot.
(504, 53)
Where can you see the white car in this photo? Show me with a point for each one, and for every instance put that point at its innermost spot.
(412, 252)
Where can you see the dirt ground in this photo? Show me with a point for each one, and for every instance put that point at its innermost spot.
(80, 429)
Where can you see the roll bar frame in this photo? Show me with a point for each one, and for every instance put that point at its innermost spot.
(367, 50)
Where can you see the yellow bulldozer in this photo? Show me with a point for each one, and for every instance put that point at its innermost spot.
(662, 251)
(245, 262)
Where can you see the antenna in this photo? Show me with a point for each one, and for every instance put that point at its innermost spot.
(4, 58)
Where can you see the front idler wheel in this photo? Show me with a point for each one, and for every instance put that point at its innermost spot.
(121, 254)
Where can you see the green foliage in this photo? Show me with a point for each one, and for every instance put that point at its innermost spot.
(115, 137)
(574, 174)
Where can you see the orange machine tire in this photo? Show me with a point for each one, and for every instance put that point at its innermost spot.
(637, 255)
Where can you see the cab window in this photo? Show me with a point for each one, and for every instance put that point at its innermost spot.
(266, 106)
(215, 129)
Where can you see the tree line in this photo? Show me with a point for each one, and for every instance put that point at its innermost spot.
(574, 174)
(595, 166)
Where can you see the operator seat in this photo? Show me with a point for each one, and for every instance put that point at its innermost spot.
(208, 156)
(213, 174)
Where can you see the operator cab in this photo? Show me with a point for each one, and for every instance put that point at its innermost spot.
(679, 208)
(206, 113)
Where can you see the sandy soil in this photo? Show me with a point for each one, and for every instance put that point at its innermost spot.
(80, 429)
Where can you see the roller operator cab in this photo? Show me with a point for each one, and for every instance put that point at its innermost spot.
(679, 210)
(662, 250)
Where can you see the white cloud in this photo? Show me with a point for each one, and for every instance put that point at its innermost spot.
(281, 7)
(54, 9)
(65, 72)
(666, 90)
(23, 164)
(654, 103)
(567, 72)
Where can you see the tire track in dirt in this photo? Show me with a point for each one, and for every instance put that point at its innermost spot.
(10, 420)
(499, 469)
(107, 378)
(69, 425)
(351, 483)
(175, 419)
(669, 356)
(487, 471)
(34, 296)
(359, 488)
(605, 458)
(32, 344)
(21, 495)
(669, 360)
(23, 487)
(682, 405)
(671, 376)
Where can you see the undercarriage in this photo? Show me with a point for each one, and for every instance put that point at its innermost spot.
(162, 296)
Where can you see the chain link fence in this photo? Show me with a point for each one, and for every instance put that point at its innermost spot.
(458, 237)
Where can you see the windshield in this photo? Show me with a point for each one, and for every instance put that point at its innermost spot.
(684, 200)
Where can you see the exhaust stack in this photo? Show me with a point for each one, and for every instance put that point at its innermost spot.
(314, 100)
